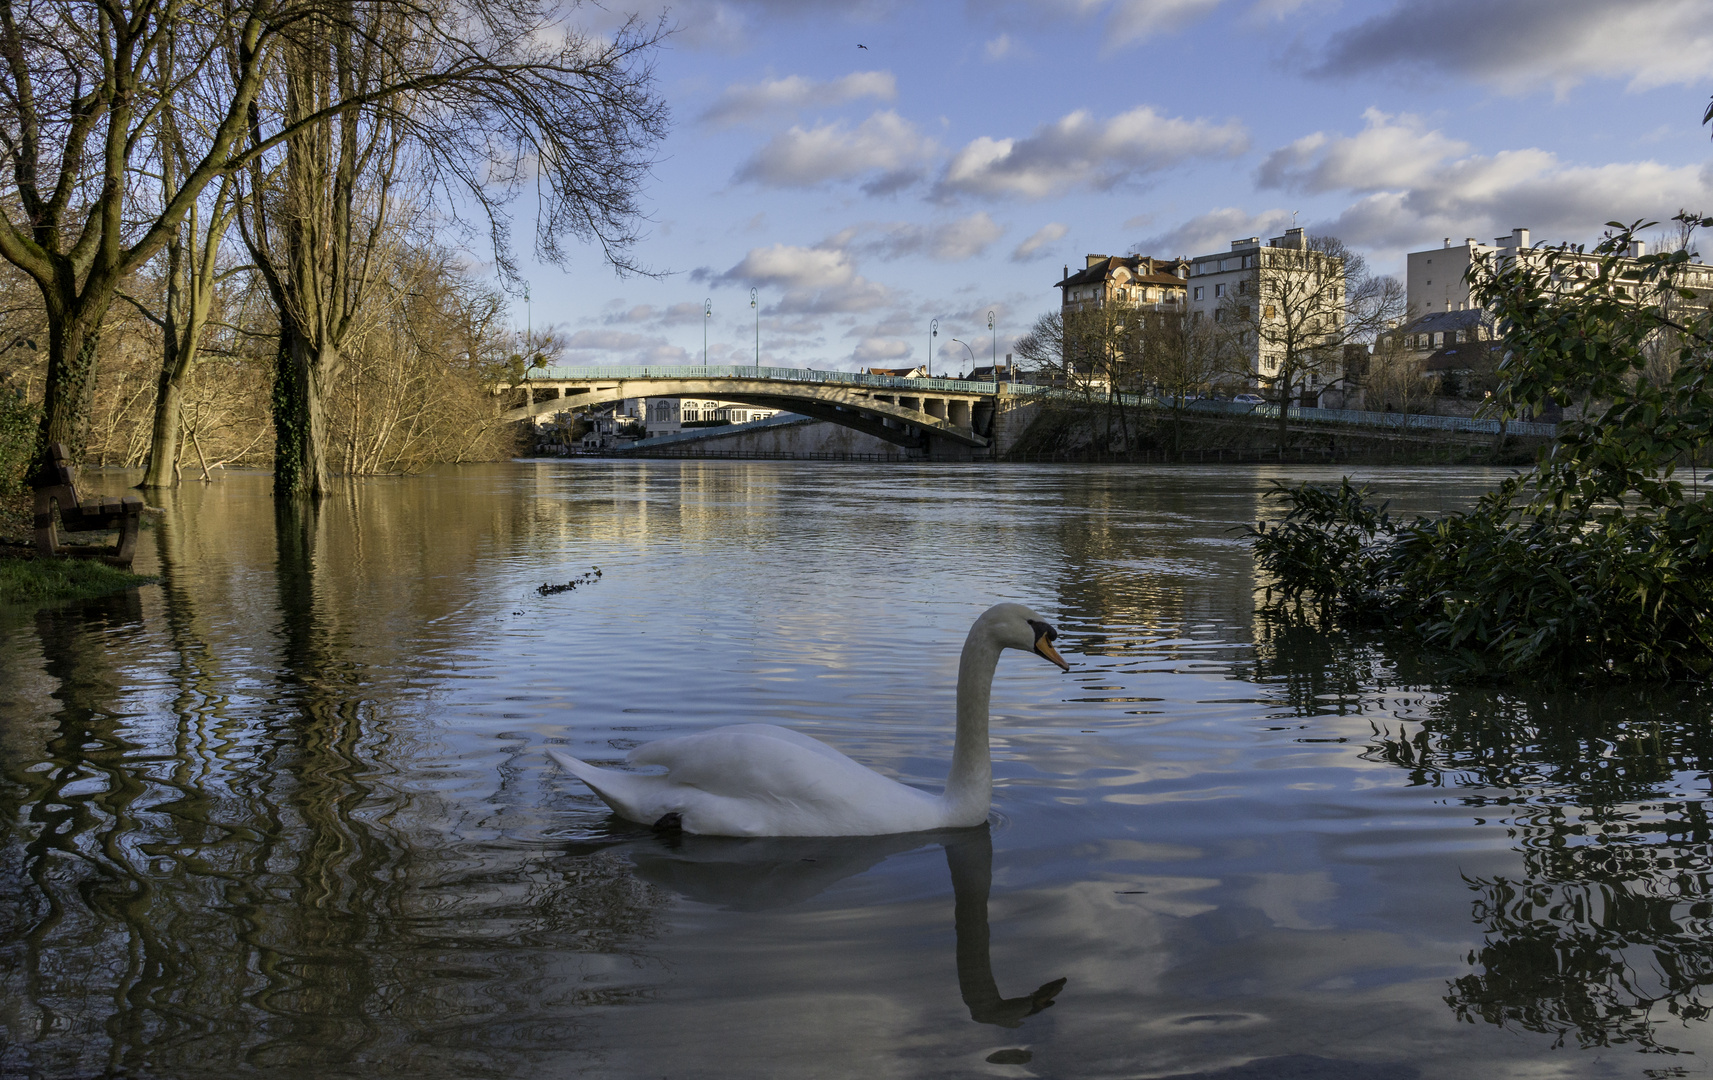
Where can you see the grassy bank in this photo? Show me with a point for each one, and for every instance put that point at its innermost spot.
(43, 581)
(40, 581)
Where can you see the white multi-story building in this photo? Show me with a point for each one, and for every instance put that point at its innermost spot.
(1435, 279)
(1248, 286)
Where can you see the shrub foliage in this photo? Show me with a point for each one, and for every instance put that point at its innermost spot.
(1598, 564)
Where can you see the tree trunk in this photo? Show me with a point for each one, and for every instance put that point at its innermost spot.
(163, 441)
(300, 417)
(169, 390)
(72, 342)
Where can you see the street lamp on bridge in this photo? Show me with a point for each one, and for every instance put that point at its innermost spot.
(753, 307)
(995, 333)
(933, 332)
(707, 313)
(969, 350)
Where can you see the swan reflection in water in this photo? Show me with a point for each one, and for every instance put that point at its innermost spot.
(774, 872)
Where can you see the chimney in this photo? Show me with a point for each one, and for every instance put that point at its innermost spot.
(1521, 237)
(1638, 248)
(1067, 272)
(1094, 259)
(1469, 240)
(1448, 241)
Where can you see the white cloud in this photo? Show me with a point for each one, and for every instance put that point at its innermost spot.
(885, 146)
(1486, 197)
(1079, 150)
(1214, 231)
(875, 350)
(952, 241)
(747, 104)
(1134, 21)
(1040, 238)
(1521, 45)
(1001, 47)
(1390, 152)
(636, 348)
(814, 280)
(1415, 187)
(647, 314)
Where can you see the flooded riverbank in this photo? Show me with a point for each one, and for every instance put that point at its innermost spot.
(289, 812)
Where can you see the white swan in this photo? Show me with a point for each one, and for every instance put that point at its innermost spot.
(762, 780)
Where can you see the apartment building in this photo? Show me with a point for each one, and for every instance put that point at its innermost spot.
(1136, 280)
(1435, 281)
(1261, 290)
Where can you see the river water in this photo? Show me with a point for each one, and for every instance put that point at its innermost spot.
(288, 814)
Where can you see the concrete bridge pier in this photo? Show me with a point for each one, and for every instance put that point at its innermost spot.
(941, 448)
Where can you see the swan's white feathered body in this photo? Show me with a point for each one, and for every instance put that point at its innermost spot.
(762, 780)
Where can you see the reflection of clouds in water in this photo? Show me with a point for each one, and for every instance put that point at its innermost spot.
(1289, 900)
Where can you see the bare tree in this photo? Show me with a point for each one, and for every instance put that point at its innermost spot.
(1301, 307)
(1092, 353)
(82, 87)
(494, 91)
(1182, 360)
(577, 111)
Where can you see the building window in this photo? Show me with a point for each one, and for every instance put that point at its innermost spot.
(1243, 286)
(1271, 312)
(1219, 315)
(1199, 289)
(1219, 290)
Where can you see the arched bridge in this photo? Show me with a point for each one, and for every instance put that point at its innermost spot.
(906, 412)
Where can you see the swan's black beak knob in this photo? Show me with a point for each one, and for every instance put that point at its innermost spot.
(1044, 635)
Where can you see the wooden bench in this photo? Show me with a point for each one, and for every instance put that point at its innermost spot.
(56, 489)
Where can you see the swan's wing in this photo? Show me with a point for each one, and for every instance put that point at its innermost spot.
(759, 762)
(771, 731)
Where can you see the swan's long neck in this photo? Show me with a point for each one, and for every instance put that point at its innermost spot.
(969, 788)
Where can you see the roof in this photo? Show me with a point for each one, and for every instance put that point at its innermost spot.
(1150, 270)
(1435, 321)
(895, 372)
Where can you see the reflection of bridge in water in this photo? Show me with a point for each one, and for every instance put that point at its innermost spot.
(944, 417)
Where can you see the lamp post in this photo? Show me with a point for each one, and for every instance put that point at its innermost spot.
(933, 332)
(995, 359)
(753, 307)
(707, 313)
(969, 350)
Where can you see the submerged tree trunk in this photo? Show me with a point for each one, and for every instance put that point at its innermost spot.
(301, 374)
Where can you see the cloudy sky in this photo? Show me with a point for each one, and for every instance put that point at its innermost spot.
(959, 161)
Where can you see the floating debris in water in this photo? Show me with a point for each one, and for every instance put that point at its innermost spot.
(590, 578)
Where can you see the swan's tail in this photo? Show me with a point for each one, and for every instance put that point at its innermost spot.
(630, 795)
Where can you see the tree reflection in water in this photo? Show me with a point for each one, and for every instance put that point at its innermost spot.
(1607, 935)
(212, 872)
(759, 874)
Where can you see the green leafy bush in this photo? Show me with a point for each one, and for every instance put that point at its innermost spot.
(1598, 564)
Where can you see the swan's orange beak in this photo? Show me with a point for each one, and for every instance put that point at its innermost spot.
(1044, 647)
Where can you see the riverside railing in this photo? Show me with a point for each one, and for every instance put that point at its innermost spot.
(742, 371)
